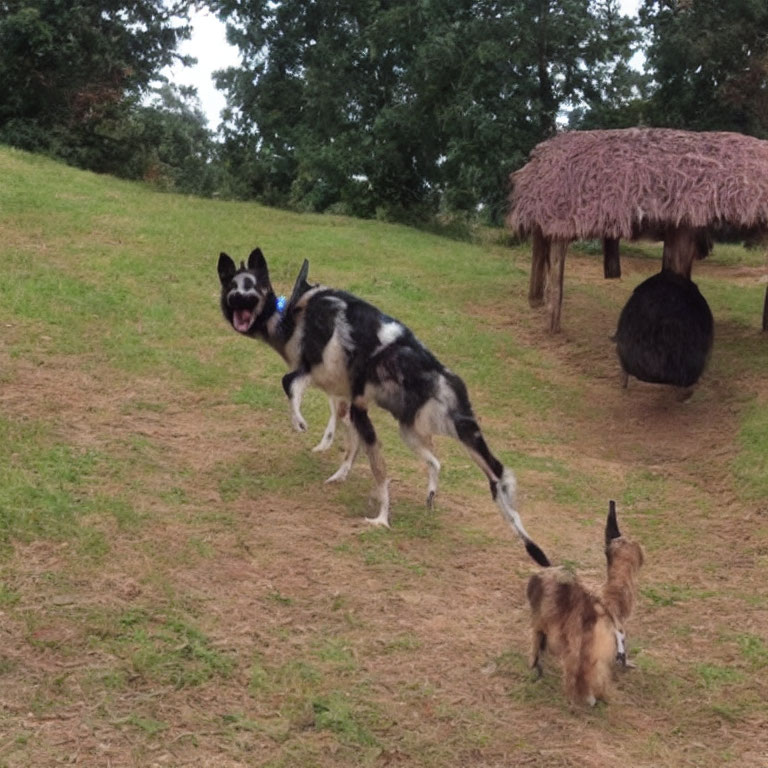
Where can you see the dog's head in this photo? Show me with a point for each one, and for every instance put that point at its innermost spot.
(246, 292)
(618, 547)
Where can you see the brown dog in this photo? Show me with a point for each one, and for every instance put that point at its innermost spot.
(584, 629)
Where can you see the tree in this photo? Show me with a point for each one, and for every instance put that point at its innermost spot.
(709, 62)
(406, 107)
(71, 71)
(318, 115)
(513, 69)
(166, 141)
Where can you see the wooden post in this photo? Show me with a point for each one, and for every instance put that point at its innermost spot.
(765, 310)
(539, 268)
(554, 288)
(611, 262)
(680, 249)
(704, 243)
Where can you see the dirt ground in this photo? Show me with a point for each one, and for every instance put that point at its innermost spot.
(421, 632)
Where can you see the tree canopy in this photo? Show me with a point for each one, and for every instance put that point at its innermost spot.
(398, 108)
(709, 63)
(73, 74)
(406, 108)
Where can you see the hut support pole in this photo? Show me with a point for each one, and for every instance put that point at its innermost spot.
(539, 268)
(611, 262)
(554, 289)
(680, 249)
(765, 310)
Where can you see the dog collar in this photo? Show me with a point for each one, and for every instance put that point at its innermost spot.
(281, 305)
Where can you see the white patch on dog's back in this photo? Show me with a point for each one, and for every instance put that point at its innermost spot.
(388, 333)
(304, 300)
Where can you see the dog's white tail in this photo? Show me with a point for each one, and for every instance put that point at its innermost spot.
(506, 499)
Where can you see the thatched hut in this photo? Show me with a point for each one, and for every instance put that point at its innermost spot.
(678, 186)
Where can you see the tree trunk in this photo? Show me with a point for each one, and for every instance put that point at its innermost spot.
(554, 289)
(611, 262)
(704, 243)
(765, 310)
(539, 268)
(680, 249)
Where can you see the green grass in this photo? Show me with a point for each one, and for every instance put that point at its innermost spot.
(739, 304)
(177, 582)
(42, 483)
(308, 696)
(733, 255)
(751, 465)
(673, 594)
(161, 649)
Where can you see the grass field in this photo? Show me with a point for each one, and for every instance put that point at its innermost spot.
(179, 588)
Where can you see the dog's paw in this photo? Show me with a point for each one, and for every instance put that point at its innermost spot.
(298, 423)
(339, 476)
(378, 522)
(324, 444)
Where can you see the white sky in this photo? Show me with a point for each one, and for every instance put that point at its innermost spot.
(209, 46)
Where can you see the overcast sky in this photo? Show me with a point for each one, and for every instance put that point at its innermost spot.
(209, 46)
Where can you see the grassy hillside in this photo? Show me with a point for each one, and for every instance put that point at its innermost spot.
(178, 587)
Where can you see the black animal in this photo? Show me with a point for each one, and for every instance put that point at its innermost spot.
(354, 352)
(665, 331)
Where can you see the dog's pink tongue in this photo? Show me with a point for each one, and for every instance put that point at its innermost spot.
(242, 320)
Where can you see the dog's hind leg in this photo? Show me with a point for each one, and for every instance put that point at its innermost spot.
(422, 446)
(364, 428)
(295, 385)
(330, 429)
(539, 646)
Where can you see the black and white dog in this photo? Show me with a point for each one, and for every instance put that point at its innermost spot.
(354, 352)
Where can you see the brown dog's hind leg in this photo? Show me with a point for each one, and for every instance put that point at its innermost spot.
(539, 646)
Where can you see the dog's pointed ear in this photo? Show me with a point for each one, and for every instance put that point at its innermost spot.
(611, 525)
(303, 272)
(301, 286)
(258, 264)
(227, 268)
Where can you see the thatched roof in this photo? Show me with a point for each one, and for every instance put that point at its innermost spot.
(619, 183)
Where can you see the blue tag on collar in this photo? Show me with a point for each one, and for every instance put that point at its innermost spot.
(281, 302)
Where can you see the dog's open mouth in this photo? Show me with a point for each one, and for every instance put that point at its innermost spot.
(242, 319)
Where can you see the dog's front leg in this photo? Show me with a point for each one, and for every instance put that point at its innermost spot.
(295, 385)
(338, 407)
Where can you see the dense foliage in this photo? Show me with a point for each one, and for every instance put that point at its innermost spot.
(406, 108)
(72, 77)
(398, 108)
(709, 60)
